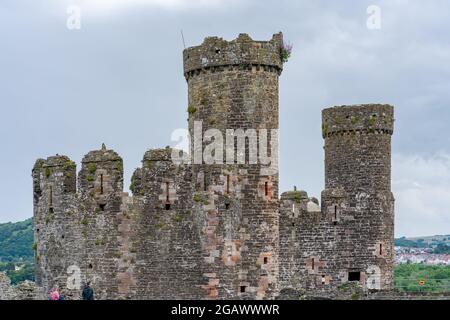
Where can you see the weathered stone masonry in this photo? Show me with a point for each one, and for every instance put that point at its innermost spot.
(220, 231)
(351, 238)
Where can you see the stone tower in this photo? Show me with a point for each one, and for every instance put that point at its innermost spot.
(233, 95)
(357, 198)
(350, 238)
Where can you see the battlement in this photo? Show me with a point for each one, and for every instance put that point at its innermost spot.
(55, 170)
(102, 155)
(158, 155)
(364, 118)
(298, 196)
(215, 52)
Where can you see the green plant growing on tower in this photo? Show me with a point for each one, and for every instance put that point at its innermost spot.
(286, 51)
(191, 110)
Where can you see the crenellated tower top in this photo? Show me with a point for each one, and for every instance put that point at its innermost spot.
(244, 51)
(364, 118)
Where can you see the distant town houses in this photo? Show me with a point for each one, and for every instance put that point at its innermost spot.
(420, 255)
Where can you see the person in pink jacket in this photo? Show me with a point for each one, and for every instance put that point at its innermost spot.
(54, 294)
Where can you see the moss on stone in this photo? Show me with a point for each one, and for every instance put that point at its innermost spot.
(69, 164)
(50, 217)
(177, 218)
(372, 120)
(191, 110)
(324, 129)
(92, 168)
(354, 120)
(197, 197)
(119, 166)
(160, 225)
(48, 172)
(90, 178)
(34, 247)
(85, 221)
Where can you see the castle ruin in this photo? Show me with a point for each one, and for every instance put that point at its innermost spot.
(221, 231)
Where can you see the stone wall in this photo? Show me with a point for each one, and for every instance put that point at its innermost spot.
(165, 238)
(26, 290)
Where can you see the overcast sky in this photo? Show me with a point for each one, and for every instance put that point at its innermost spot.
(119, 80)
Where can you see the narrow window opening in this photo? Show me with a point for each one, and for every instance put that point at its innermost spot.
(312, 264)
(101, 184)
(266, 188)
(266, 260)
(227, 206)
(228, 184)
(381, 249)
(51, 200)
(205, 184)
(293, 224)
(167, 192)
(167, 196)
(243, 288)
(91, 266)
(354, 276)
(102, 207)
(323, 279)
(63, 236)
(335, 215)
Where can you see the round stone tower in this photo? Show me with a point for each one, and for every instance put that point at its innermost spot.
(357, 200)
(233, 102)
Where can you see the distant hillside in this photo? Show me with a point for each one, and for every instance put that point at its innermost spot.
(16, 241)
(439, 244)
